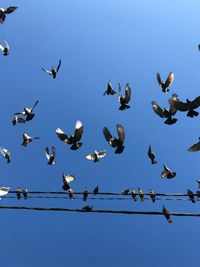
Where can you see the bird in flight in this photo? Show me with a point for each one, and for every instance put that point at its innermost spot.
(66, 180)
(109, 89)
(28, 112)
(17, 119)
(5, 48)
(124, 100)
(164, 113)
(195, 147)
(151, 155)
(167, 173)
(96, 155)
(6, 154)
(165, 85)
(4, 12)
(28, 139)
(50, 157)
(53, 72)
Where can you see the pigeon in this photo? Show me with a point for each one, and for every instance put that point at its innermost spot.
(165, 85)
(28, 112)
(50, 157)
(152, 194)
(167, 214)
(25, 193)
(167, 173)
(109, 90)
(17, 119)
(96, 190)
(133, 194)
(124, 100)
(125, 191)
(113, 141)
(6, 154)
(151, 155)
(164, 113)
(191, 195)
(4, 191)
(66, 180)
(5, 48)
(53, 72)
(87, 208)
(195, 147)
(70, 193)
(72, 140)
(28, 139)
(4, 12)
(18, 193)
(141, 194)
(85, 194)
(96, 155)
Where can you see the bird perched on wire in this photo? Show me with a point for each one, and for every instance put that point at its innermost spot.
(165, 85)
(28, 139)
(70, 193)
(96, 155)
(191, 195)
(66, 180)
(6, 154)
(51, 157)
(5, 48)
(18, 193)
(195, 147)
(25, 193)
(124, 100)
(4, 191)
(28, 112)
(167, 173)
(167, 214)
(17, 119)
(133, 194)
(164, 113)
(53, 72)
(188, 106)
(113, 141)
(4, 12)
(141, 194)
(72, 140)
(125, 191)
(85, 194)
(151, 155)
(96, 190)
(87, 208)
(109, 89)
(152, 194)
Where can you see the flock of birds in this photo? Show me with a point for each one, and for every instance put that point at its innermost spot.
(115, 141)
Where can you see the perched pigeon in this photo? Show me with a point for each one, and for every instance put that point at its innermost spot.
(70, 193)
(28, 112)
(50, 157)
(17, 119)
(28, 139)
(66, 180)
(133, 194)
(53, 72)
(191, 195)
(141, 194)
(25, 193)
(151, 155)
(96, 190)
(85, 194)
(124, 100)
(5, 48)
(87, 208)
(109, 90)
(96, 155)
(167, 214)
(6, 154)
(152, 194)
(4, 12)
(72, 139)
(167, 173)
(18, 193)
(113, 141)
(4, 191)
(164, 113)
(195, 147)
(165, 85)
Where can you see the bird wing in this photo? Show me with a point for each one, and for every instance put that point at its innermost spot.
(10, 9)
(61, 135)
(127, 93)
(2, 16)
(2, 151)
(159, 78)
(34, 105)
(195, 147)
(58, 67)
(47, 71)
(108, 137)
(90, 156)
(157, 109)
(1, 47)
(169, 79)
(121, 133)
(150, 152)
(69, 178)
(6, 44)
(195, 103)
(47, 153)
(53, 151)
(101, 154)
(4, 191)
(78, 130)
(175, 103)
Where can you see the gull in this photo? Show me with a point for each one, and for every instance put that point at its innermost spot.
(124, 100)
(96, 190)
(53, 72)
(4, 191)
(195, 147)
(5, 48)
(109, 90)
(165, 85)
(28, 139)
(113, 141)
(50, 157)
(4, 12)
(28, 112)
(72, 139)
(96, 155)
(151, 155)
(17, 119)
(167, 214)
(6, 154)
(66, 180)
(167, 173)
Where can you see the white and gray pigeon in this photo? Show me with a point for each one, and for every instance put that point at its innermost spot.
(6, 154)
(28, 139)
(96, 155)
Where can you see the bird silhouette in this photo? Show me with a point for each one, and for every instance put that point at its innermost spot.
(17, 119)
(50, 157)
(167, 173)
(28, 112)
(70, 193)
(165, 85)
(66, 180)
(96, 190)
(151, 155)
(191, 195)
(53, 72)
(6, 154)
(4, 12)
(28, 139)
(109, 89)
(164, 113)
(167, 214)
(195, 147)
(152, 194)
(124, 100)
(96, 155)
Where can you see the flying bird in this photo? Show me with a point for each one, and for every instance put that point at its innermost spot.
(167, 214)
(164, 113)
(113, 141)
(28, 139)
(96, 155)
(167, 173)
(152, 194)
(195, 147)
(72, 140)
(4, 12)
(4, 191)
(50, 157)
(109, 89)
(151, 155)
(96, 190)
(165, 85)
(53, 72)
(6, 154)
(124, 100)
(5, 48)
(66, 180)
(28, 112)
(191, 195)
(17, 119)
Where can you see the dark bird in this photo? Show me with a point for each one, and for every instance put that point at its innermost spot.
(28, 112)
(4, 12)
(96, 190)
(195, 147)
(18, 193)
(6, 154)
(87, 208)
(4, 191)
(141, 194)
(50, 157)
(53, 72)
(152, 194)
(151, 155)
(113, 141)
(167, 173)
(96, 155)
(85, 194)
(198, 194)
(70, 193)
(17, 119)
(191, 195)
(28, 139)
(165, 85)
(66, 180)
(167, 214)
(5, 48)
(125, 191)
(72, 139)
(164, 113)
(188, 106)
(25, 193)
(198, 182)
(199, 47)
(109, 89)
(124, 100)
(133, 194)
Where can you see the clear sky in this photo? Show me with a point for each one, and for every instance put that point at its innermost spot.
(97, 41)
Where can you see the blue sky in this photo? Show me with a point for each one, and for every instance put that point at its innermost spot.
(122, 41)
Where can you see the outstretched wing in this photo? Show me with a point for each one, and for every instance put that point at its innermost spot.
(107, 135)
(59, 64)
(169, 79)
(78, 130)
(68, 178)
(175, 103)
(34, 105)
(53, 151)
(159, 78)
(1, 47)
(101, 154)
(10, 9)
(62, 136)
(195, 103)
(195, 147)
(47, 71)
(90, 156)
(121, 133)
(127, 93)
(157, 109)
(47, 153)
